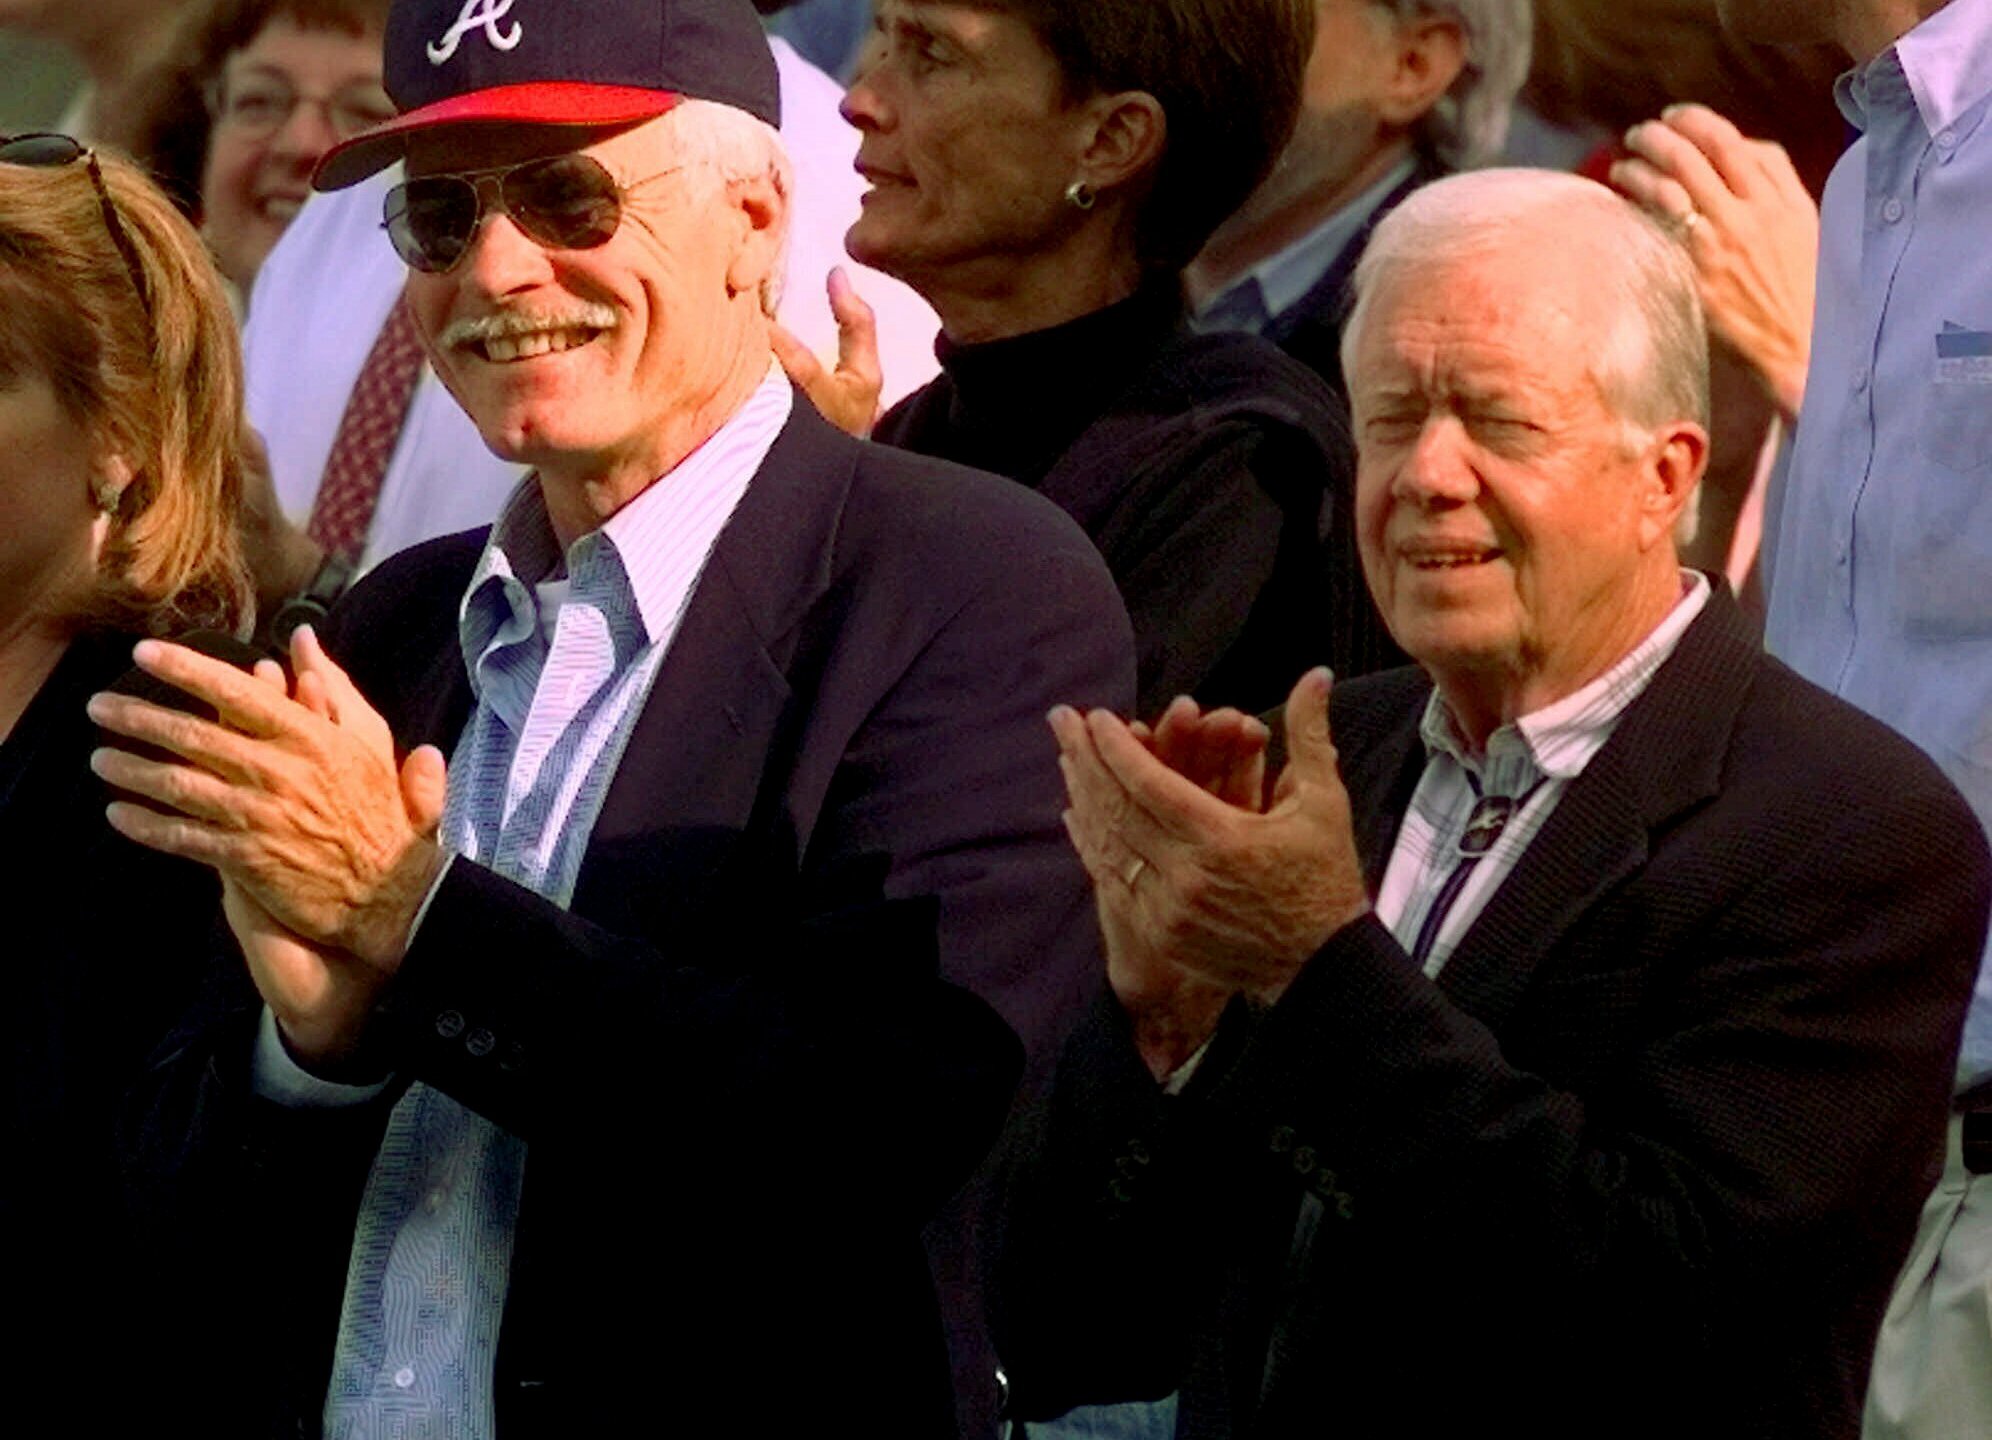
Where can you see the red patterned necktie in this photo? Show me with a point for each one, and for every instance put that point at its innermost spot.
(344, 509)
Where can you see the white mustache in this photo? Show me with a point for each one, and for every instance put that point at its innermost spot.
(510, 324)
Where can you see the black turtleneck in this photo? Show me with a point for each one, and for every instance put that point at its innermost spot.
(1214, 473)
(1014, 406)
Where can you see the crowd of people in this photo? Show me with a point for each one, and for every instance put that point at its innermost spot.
(1081, 725)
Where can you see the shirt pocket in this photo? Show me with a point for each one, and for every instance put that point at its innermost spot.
(1957, 418)
(1945, 555)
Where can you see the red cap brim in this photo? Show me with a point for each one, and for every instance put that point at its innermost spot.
(549, 102)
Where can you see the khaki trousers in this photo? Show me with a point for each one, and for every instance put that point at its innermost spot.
(1932, 1375)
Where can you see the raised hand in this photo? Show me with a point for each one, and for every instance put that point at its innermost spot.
(1201, 897)
(848, 395)
(1222, 751)
(300, 802)
(1750, 227)
(321, 995)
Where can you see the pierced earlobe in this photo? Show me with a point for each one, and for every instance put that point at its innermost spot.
(1079, 195)
(109, 486)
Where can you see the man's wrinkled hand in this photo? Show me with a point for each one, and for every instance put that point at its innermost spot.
(300, 803)
(321, 997)
(1200, 897)
(1222, 752)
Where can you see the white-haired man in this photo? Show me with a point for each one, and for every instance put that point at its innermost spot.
(1559, 1047)
(1398, 93)
(617, 1102)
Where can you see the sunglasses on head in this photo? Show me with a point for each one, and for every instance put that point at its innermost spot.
(47, 152)
(565, 202)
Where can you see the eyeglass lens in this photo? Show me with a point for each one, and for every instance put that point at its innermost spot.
(261, 104)
(568, 202)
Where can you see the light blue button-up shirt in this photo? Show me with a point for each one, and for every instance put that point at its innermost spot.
(561, 658)
(1281, 281)
(1879, 543)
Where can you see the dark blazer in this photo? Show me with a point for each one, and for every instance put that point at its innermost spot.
(104, 948)
(742, 1087)
(1642, 1161)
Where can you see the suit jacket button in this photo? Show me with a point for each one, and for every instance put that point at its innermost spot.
(449, 1024)
(480, 1043)
(1282, 1139)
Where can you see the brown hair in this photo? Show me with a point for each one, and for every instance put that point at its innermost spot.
(1616, 65)
(162, 391)
(170, 126)
(1228, 75)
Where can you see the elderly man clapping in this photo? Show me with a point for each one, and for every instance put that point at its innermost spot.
(610, 1088)
(1558, 1041)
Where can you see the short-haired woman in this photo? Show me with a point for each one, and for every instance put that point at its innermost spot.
(1041, 172)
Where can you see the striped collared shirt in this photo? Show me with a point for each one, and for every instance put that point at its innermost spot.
(1531, 760)
(561, 659)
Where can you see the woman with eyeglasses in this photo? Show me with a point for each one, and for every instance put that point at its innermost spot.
(1041, 171)
(251, 95)
(120, 470)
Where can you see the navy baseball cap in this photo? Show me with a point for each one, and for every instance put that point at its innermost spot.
(598, 63)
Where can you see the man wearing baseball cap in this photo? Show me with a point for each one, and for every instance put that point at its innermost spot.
(604, 1088)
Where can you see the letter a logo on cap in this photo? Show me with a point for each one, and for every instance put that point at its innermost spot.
(486, 13)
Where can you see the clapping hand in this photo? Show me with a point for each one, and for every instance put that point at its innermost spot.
(325, 845)
(1205, 890)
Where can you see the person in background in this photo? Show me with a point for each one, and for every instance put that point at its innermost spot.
(827, 33)
(1609, 71)
(120, 472)
(1398, 92)
(1560, 1047)
(252, 94)
(1041, 173)
(1878, 543)
(115, 41)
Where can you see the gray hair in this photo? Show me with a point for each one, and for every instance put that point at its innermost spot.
(730, 146)
(1469, 125)
(1651, 357)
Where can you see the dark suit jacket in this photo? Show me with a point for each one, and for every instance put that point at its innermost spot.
(742, 1086)
(1642, 1161)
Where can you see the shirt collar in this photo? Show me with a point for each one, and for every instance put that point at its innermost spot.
(1285, 278)
(634, 553)
(1944, 64)
(1560, 739)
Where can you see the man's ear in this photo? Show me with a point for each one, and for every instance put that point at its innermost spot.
(1129, 133)
(1676, 457)
(763, 212)
(1430, 52)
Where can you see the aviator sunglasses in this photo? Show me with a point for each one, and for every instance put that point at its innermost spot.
(565, 202)
(48, 152)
